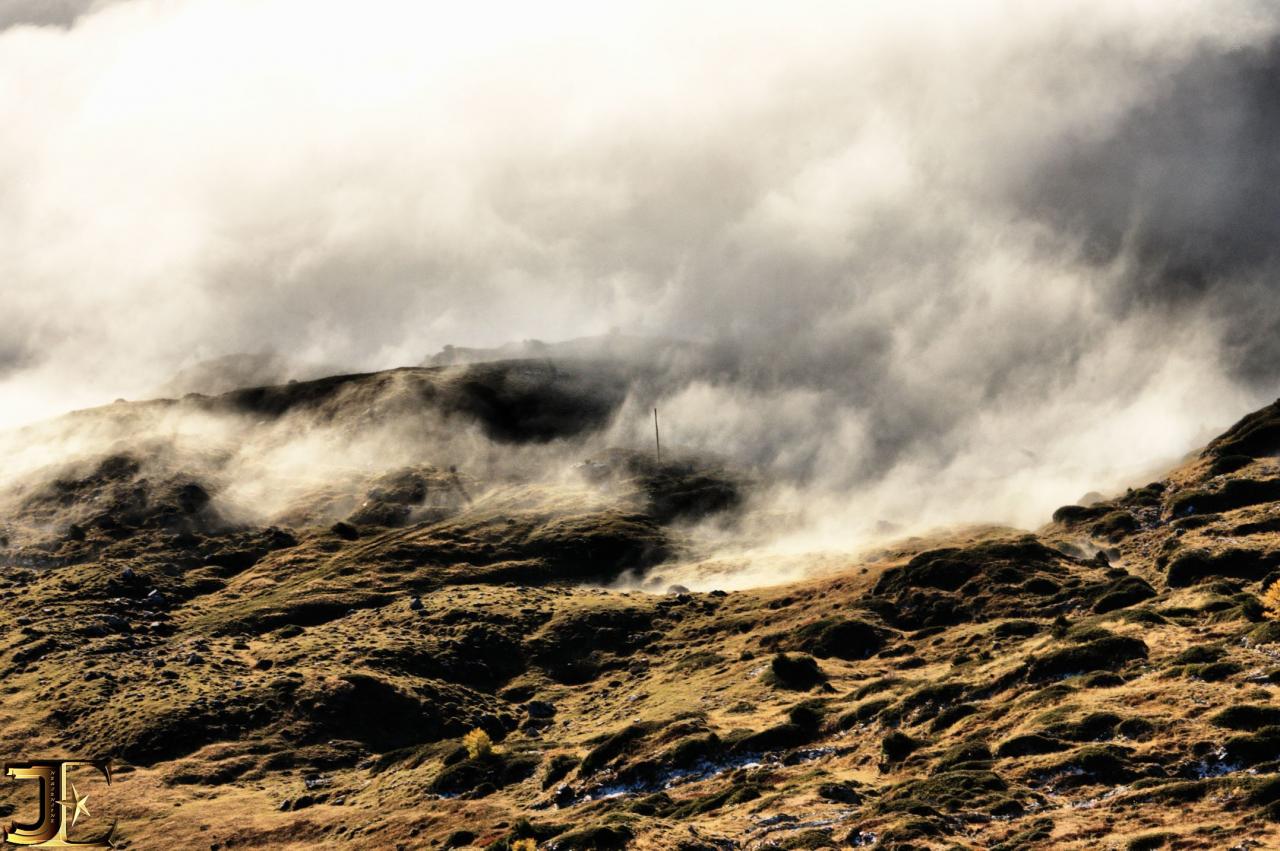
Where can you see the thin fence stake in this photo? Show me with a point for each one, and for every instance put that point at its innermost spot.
(657, 441)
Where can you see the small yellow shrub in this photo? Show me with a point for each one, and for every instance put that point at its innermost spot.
(478, 743)
(524, 845)
(1271, 600)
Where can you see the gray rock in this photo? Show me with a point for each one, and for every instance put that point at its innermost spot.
(540, 709)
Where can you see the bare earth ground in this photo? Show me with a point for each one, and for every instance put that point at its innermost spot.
(1107, 682)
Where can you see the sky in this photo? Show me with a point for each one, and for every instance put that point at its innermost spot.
(961, 259)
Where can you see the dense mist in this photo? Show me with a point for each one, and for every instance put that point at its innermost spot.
(938, 262)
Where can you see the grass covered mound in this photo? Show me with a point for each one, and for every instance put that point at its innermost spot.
(1008, 578)
(800, 673)
(1254, 436)
(484, 774)
(839, 637)
(685, 488)
(1227, 495)
(1235, 563)
(1105, 653)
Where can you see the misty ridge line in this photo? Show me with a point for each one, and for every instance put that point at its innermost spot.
(307, 453)
(937, 268)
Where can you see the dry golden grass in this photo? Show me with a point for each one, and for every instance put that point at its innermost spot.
(1130, 750)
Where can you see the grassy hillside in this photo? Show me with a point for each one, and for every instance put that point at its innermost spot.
(1109, 681)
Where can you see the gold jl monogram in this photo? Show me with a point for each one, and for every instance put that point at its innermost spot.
(61, 805)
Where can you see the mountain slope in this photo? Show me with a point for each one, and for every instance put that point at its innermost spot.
(305, 679)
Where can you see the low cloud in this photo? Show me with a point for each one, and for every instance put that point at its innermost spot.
(952, 261)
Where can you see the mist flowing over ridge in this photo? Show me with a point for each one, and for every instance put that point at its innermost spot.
(943, 262)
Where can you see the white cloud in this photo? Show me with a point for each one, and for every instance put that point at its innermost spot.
(851, 194)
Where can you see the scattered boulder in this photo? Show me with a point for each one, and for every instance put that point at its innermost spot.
(540, 709)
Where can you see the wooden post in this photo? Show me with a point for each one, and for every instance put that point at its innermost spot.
(657, 441)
